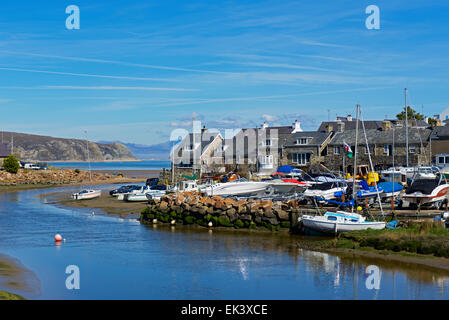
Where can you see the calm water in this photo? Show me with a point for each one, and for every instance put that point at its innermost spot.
(116, 165)
(121, 259)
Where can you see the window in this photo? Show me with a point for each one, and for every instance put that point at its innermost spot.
(412, 149)
(301, 141)
(440, 160)
(387, 149)
(337, 150)
(268, 142)
(371, 150)
(188, 147)
(301, 158)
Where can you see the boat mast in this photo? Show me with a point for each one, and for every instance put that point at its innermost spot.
(406, 128)
(355, 152)
(88, 157)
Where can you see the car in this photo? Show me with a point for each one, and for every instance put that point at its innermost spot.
(124, 189)
(152, 181)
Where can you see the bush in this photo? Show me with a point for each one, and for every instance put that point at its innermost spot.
(11, 164)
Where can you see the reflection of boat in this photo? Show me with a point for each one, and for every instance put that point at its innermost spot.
(339, 221)
(86, 194)
(427, 191)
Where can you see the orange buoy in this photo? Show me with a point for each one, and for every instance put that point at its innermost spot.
(58, 238)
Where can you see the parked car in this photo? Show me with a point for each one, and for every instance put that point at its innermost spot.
(152, 181)
(124, 189)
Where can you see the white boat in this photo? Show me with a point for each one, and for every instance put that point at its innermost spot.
(142, 196)
(426, 172)
(238, 188)
(340, 221)
(423, 191)
(326, 190)
(395, 175)
(86, 194)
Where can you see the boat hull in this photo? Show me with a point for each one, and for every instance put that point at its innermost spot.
(86, 196)
(333, 227)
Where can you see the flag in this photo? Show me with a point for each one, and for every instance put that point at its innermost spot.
(348, 150)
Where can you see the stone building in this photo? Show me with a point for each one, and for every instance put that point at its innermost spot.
(383, 143)
(439, 140)
(305, 149)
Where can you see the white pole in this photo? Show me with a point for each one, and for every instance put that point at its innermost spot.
(406, 128)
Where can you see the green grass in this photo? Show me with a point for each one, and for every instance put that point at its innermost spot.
(10, 296)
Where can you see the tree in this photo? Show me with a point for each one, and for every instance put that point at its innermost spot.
(11, 164)
(411, 115)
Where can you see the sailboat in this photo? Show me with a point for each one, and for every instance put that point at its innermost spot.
(88, 193)
(342, 221)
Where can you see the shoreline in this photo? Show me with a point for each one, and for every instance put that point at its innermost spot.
(127, 209)
(81, 161)
(16, 280)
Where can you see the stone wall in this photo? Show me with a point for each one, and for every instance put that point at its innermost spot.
(193, 208)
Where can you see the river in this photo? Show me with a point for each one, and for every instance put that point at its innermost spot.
(121, 259)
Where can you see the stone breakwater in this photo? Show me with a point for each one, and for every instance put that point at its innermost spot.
(54, 176)
(194, 208)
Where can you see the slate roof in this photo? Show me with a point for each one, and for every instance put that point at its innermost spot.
(376, 136)
(3, 150)
(442, 131)
(350, 125)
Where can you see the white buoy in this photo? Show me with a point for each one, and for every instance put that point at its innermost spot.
(173, 222)
(58, 238)
(154, 221)
(210, 224)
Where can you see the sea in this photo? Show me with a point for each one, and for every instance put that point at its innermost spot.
(114, 165)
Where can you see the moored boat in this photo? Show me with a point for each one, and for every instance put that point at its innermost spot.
(340, 221)
(86, 194)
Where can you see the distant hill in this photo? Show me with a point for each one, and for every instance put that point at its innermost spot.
(159, 151)
(45, 148)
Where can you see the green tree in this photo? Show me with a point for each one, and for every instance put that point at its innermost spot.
(11, 164)
(411, 115)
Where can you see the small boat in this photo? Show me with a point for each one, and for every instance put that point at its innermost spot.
(142, 196)
(86, 194)
(424, 191)
(390, 189)
(366, 191)
(326, 190)
(340, 221)
(395, 175)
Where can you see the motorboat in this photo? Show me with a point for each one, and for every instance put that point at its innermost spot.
(124, 189)
(426, 172)
(326, 190)
(86, 194)
(390, 189)
(394, 175)
(142, 196)
(424, 191)
(238, 188)
(365, 191)
(340, 221)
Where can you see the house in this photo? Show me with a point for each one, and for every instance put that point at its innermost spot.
(259, 149)
(444, 115)
(381, 147)
(439, 140)
(3, 152)
(199, 151)
(306, 149)
(346, 123)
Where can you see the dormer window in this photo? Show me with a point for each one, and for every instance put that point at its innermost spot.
(301, 141)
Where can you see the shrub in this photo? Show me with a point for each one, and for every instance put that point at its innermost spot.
(189, 220)
(11, 164)
(239, 224)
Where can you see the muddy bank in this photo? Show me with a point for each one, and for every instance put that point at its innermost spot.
(105, 203)
(15, 280)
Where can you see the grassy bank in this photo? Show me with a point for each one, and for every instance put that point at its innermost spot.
(418, 238)
(10, 296)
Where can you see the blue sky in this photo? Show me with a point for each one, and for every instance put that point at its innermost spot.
(136, 70)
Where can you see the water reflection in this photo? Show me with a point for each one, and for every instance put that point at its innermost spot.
(119, 258)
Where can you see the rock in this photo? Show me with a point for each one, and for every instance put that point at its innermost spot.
(282, 215)
(269, 214)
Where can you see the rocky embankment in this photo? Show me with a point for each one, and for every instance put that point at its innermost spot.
(54, 176)
(193, 208)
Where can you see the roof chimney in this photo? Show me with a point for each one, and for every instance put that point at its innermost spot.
(349, 117)
(265, 125)
(297, 127)
(386, 125)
